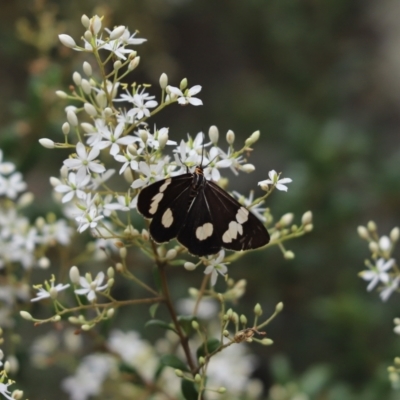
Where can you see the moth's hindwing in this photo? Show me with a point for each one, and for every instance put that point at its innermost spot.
(199, 233)
(217, 220)
(166, 202)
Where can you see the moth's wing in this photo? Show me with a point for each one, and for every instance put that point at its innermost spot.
(237, 228)
(199, 232)
(166, 202)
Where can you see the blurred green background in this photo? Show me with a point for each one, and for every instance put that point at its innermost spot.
(321, 80)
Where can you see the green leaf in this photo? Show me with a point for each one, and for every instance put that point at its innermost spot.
(153, 309)
(189, 390)
(206, 348)
(160, 324)
(173, 362)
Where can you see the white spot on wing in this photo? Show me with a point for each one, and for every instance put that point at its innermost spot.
(233, 230)
(155, 201)
(242, 215)
(167, 218)
(204, 231)
(165, 185)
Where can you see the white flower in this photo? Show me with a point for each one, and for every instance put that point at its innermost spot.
(274, 180)
(134, 351)
(90, 287)
(4, 390)
(73, 186)
(124, 203)
(212, 172)
(187, 97)
(85, 160)
(51, 291)
(141, 107)
(148, 171)
(89, 376)
(128, 159)
(390, 288)
(377, 274)
(5, 167)
(215, 267)
(88, 219)
(11, 186)
(110, 138)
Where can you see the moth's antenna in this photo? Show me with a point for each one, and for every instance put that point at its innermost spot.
(202, 150)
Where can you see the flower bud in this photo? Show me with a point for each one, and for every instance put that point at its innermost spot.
(243, 319)
(17, 394)
(163, 81)
(384, 243)
(117, 32)
(178, 373)
(123, 252)
(86, 86)
(183, 84)
(88, 128)
(89, 108)
(230, 137)
(258, 310)
(65, 128)
(289, 255)
(88, 36)
(110, 282)
(47, 143)
(95, 25)
(279, 307)
(101, 99)
(44, 263)
(76, 77)
(61, 94)
(252, 139)
(110, 272)
(225, 333)
(213, 134)
(108, 112)
(373, 247)
(197, 378)
(110, 312)
(25, 200)
(86, 327)
(74, 275)
(72, 118)
(195, 325)
(371, 226)
(221, 390)
(134, 63)
(26, 315)
(85, 21)
(394, 234)
(306, 218)
(163, 138)
(286, 219)
(248, 168)
(267, 342)
(117, 65)
(67, 41)
(308, 228)
(171, 254)
(87, 69)
(143, 135)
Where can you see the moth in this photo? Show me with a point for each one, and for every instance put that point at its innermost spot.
(201, 215)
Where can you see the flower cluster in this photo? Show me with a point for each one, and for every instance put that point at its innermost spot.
(381, 269)
(113, 154)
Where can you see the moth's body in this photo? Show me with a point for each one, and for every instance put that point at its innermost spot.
(201, 215)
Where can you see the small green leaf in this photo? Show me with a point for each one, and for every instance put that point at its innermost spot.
(160, 324)
(207, 348)
(174, 362)
(153, 309)
(189, 390)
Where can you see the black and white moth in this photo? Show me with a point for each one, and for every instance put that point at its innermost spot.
(201, 215)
